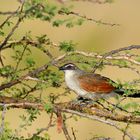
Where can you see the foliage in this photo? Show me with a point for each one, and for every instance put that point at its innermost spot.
(26, 73)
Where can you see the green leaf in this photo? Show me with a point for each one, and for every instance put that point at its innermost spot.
(64, 10)
(58, 22)
(42, 39)
(67, 46)
(47, 136)
(1, 33)
(136, 113)
(132, 105)
(6, 70)
(70, 24)
(30, 62)
(48, 107)
(80, 21)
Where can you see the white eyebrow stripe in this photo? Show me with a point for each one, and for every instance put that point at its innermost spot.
(69, 65)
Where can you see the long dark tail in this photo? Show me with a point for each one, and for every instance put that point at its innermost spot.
(133, 93)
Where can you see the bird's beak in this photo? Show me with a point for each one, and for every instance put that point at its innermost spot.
(61, 68)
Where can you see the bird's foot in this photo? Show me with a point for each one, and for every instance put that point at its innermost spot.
(83, 101)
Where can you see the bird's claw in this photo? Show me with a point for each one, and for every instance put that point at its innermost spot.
(83, 101)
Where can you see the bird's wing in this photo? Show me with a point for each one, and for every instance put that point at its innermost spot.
(95, 83)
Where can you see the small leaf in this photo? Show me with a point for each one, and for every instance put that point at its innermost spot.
(48, 107)
(30, 62)
(67, 46)
(1, 33)
(58, 22)
(80, 21)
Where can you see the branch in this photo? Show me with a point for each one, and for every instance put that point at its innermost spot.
(13, 29)
(107, 55)
(24, 77)
(44, 129)
(114, 52)
(21, 17)
(8, 12)
(68, 107)
(89, 19)
(10, 16)
(95, 55)
(93, 112)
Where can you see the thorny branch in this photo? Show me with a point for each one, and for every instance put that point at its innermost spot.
(127, 126)
(93, 112)
(12, 30)
(24, 77)
(107, 56)
(9, 17)
(112, 52)
(94, 55)
(89, 19)
(56, 60)
(44, 129)
(89, 111)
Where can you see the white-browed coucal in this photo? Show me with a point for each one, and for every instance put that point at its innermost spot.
(90, 85)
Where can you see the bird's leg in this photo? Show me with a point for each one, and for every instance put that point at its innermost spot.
(80, 100)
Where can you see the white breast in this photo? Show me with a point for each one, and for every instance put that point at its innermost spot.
(72, 82)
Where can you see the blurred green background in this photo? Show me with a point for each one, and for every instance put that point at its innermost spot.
(89, 37)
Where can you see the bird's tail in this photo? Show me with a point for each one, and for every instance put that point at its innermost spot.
(128, 93)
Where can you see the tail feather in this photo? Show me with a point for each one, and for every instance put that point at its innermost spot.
(134, 93)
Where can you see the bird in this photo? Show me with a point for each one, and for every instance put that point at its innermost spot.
(89, 85)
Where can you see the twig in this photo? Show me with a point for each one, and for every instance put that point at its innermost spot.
(32, 89)
(120, 66)
(44, 129)
(94, 1)
(26, 41)
(10, 34)
(73, 133)
(34, 79)
(89, 19)
(94, 55)
(124, 133)
(19, 60)
(10, 16)
(12, 30)
(2, 119)
(86, 54)
(30, 74)
(8, 12)
(117, 51)
(66, 131)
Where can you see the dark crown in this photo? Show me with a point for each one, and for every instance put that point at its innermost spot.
(69, 66)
